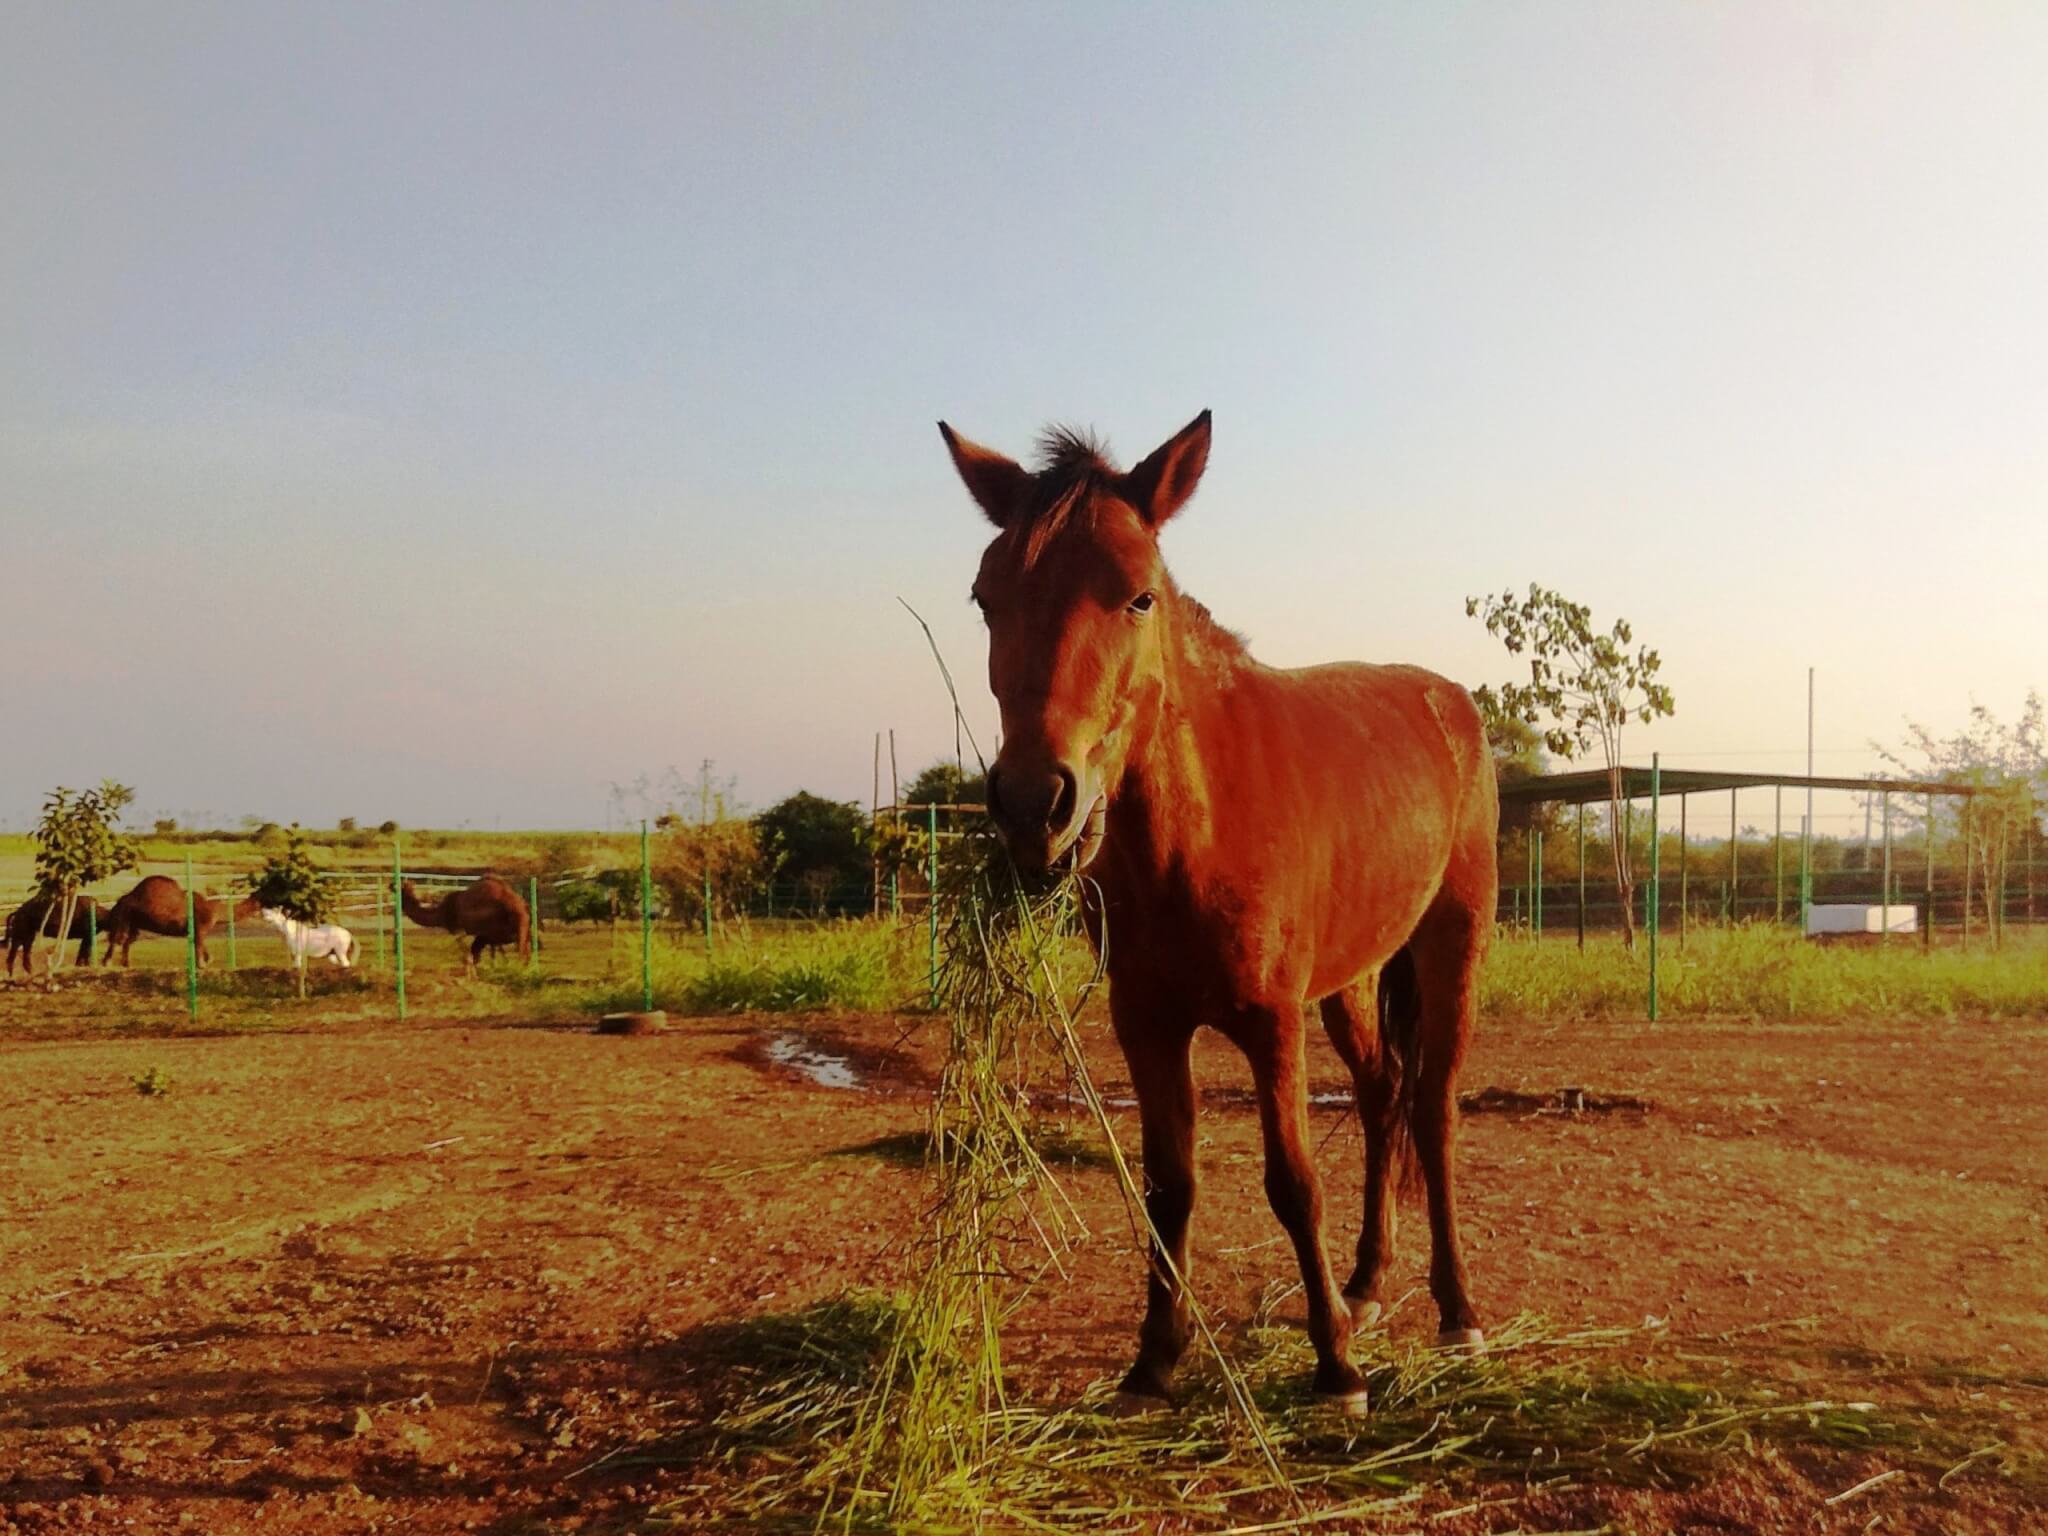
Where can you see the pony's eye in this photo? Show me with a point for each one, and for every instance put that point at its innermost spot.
(1142, 603)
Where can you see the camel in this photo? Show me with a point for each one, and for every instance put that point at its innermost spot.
(37, 918)
(157, 905)
(490, 912)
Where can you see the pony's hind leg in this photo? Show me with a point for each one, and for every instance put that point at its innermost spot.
(1448, 946)
(1158, 1059)
(1272, 1040)
(1348, 1019)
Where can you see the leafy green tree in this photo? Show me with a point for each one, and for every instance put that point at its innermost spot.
(294, 884)
(947, 783)
(79, 841)
(1584, 686)
(817, 843)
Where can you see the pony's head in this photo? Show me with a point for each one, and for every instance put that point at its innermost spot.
(1076, 597)
(273, 915)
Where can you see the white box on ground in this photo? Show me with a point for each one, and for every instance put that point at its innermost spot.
(1854, 917)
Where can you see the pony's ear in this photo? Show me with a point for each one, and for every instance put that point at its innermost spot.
(1161, 485)
(997, 484)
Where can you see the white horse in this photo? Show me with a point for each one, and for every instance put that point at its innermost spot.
(312, 940)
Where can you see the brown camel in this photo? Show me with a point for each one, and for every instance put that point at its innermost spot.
(490, 912)
(37, 918)
(157, 905)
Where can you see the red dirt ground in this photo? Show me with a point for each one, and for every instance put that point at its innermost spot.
(421, 1278)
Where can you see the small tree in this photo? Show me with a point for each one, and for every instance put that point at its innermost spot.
(296, 886)
(78, 842)
(1583, 687)
(291, 882)
(2006, 769)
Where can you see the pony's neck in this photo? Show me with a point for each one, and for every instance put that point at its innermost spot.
(1163, 804)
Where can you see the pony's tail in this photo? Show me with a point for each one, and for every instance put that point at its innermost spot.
(1400, 1001)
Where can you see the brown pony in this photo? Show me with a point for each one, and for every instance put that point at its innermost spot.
(1262, 840)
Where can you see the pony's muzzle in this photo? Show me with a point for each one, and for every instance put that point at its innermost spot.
(1035, 810)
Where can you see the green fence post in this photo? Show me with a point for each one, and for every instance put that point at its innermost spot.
(533, 922)
(1539, 882)
(932, 903)
(92, 929)
(398, 927)
(232, 964)
(1655, 896)
(646, 924)
(707, 909)
(895, 899)
(191, 947)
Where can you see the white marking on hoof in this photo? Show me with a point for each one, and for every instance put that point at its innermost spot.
(1135, 1405)
(1352, 1404)
(1364, 1311)
(1466, 1341)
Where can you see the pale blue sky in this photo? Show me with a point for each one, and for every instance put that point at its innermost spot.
(440, 412)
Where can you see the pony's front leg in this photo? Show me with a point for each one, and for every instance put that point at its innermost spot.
(1157, 1054)
(1272, 1040)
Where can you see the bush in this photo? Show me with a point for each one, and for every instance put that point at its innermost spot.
(729, 851)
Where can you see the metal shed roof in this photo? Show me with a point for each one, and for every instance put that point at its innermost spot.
(1590, 784)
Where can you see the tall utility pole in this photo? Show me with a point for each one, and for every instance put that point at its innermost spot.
(1806, 827)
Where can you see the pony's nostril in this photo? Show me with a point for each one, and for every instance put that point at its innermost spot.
(1032, 800)
(1063, 799)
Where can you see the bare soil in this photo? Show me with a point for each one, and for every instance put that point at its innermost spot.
(425, 1278)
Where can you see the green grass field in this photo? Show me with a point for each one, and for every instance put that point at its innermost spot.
(790, 965)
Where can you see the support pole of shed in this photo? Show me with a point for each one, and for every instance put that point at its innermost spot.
(1927, 928)
(1885, 920)
(1778, 857)
(1582, 875)
(1734, 863)
(1684, 884)
(1652, 903)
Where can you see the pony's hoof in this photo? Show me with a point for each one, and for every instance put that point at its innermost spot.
(1127, 1404)
(1463, 1341)
(1365, 1312)
(1352, 1403)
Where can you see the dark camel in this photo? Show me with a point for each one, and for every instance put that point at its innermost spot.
(490, 913)
(37, 918)
(157, 905)
(1262, 840)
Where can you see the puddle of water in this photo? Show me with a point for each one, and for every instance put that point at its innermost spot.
(821, 1067)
